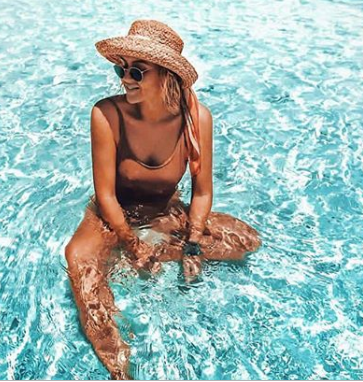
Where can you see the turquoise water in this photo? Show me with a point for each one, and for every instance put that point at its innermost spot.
(284, 81)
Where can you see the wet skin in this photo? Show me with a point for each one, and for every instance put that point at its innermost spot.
(90, 249)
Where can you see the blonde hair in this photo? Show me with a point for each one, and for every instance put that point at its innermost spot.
(172, 93)
(171, 90)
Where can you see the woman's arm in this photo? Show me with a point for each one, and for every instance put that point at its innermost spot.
(104, 172)
(202, 184)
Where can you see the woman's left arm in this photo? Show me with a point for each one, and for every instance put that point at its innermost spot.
(202, 184)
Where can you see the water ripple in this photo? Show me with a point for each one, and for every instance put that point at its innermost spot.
(285, 90)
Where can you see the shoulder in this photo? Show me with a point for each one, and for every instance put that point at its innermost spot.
(105, 111)
(204, 113)
(104, 117)
(205, 120)
(107, 104)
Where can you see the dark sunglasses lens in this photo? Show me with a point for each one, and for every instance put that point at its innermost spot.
(119, 71)
(136, 74)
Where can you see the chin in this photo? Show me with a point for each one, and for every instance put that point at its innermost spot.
(133, 98)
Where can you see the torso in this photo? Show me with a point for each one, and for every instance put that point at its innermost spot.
(151, 159)
(143, 138)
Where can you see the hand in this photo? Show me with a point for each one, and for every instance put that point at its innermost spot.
(192, 267)
(146, 258)
(192, 262)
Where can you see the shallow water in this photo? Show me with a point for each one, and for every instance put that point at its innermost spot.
(284, 82)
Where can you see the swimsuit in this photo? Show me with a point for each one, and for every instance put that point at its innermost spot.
(143, 189)
(137, 182)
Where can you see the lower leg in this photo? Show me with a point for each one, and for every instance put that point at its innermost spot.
(96, 306)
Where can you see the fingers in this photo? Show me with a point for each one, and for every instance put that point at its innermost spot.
(139, 263)
(153, 268)
(191, 266)
(148, 263)
(188, 267)
(143, 250)
(147, 257)
(156, 267)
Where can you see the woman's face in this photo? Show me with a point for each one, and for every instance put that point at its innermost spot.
(148, 88)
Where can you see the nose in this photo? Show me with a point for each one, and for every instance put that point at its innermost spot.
(127, 73)
(130, 84)
(128, 77)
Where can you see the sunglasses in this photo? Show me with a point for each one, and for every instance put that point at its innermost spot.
(135, 73)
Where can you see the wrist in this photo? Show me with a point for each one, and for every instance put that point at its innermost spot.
(128, 238)
(195, 237)
(195, 233)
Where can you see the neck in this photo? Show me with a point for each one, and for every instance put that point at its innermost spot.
(153, 110)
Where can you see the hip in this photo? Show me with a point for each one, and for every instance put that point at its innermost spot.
(140, 213)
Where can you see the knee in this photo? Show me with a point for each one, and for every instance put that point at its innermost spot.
(69, 254)
(73, 256)
(251, 243)
(256, 243)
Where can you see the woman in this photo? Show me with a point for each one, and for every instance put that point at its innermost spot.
(141, 144)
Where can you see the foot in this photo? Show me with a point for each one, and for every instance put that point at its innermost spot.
(119, 375)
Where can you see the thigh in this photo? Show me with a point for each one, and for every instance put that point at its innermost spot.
(173, 220)
(92, 240)
(228, 238)
(224, 238)
(232, 232)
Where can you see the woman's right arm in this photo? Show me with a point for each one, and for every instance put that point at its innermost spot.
(104, 178)
(104, 173)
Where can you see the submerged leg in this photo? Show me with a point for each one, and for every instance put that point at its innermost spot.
(224, 238)
(87, 254)
(228, 238)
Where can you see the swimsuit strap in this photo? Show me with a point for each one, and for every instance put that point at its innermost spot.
(122, 140)
(124, 149)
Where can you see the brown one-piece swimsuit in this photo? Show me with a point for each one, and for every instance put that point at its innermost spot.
(149, 194)
(138, 182)
(145, 191)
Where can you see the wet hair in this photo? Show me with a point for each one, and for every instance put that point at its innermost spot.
(171, 90)
(172, 93)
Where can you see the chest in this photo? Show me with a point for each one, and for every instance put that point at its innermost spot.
(152, 145)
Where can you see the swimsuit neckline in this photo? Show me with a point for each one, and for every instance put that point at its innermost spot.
(159, 165)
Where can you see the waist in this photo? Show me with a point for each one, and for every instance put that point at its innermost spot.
(142, 211)
(132, 196)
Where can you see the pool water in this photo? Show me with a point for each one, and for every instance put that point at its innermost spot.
(284, 82)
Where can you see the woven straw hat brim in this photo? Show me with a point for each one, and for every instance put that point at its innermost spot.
(148, 50)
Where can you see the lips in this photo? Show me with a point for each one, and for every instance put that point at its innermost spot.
(131, 88)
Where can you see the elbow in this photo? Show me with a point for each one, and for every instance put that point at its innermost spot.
(206, 193)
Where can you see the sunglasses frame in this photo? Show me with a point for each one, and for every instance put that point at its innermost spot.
(129, 69)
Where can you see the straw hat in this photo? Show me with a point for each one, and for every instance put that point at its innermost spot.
(152, 41)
